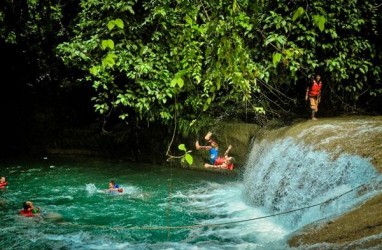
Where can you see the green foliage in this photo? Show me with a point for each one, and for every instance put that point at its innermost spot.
(298, 13)
(197, 60)
(327, 38)
(117, 22)
(276, 58)
(187, 156)
(107, 44)
(151, 60)
(167, 55)
(319, 21)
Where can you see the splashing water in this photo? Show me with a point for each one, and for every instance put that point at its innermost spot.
(91, 188)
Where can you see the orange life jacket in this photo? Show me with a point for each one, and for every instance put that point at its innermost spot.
(220, 160)
(315, 89)
(27, 213)
(3, 184)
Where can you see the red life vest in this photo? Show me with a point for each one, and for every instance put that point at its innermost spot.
(220, 160)
(315, 89)
(27, 213)
(3, 184)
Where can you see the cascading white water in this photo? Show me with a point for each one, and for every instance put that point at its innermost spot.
(284, 175)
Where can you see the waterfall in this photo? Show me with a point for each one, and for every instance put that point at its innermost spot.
(287, 174)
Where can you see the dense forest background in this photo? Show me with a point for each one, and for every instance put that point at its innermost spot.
(111, 73)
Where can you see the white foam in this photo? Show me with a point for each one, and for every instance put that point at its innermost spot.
(283, 176)
(91, 188)
(225, 203)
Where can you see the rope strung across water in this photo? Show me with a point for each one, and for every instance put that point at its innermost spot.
(222, 223)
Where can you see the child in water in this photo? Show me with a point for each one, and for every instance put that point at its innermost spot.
(3, 182)
(113, 187)
(29, 210)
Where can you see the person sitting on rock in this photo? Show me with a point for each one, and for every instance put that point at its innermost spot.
(222, 162)
(213, 147)
(216, 161)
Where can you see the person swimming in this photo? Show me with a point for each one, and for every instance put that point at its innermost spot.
(114, 187)
(3, 183)
(29, 210)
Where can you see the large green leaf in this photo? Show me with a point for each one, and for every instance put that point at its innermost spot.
(182, 147)
(319, 21)
(298, 13)
(189, 159)
(107, 44)
(276, 58)
(119, 23)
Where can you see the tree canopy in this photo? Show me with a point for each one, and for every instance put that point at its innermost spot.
(191, 59)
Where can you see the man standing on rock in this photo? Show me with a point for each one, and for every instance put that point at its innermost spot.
(313, 93)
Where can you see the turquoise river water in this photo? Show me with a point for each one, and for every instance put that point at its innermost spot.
(206, 210)
(82, 216)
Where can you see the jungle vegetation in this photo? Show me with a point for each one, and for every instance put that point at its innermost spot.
(185, 62)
